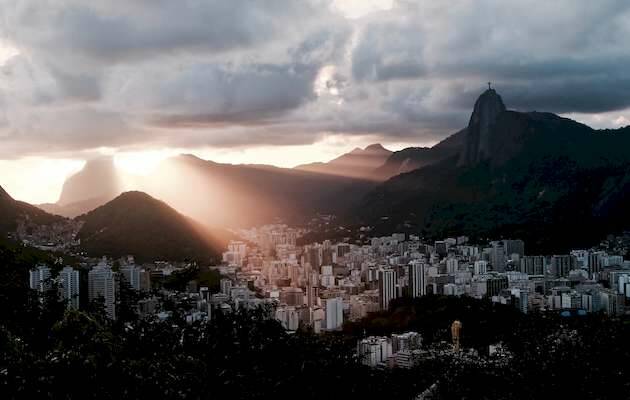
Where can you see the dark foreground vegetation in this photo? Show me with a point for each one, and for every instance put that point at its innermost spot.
(49, 352)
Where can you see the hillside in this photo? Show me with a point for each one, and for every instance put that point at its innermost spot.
(135, 223)
(359, 163)
(247, 195)
(537, 176)
(12, 211)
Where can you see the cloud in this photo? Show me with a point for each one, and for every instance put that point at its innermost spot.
(121, 30)
(385, 49)
(561, 56)
(131, 73)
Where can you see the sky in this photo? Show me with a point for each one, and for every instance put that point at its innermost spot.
(285, 82)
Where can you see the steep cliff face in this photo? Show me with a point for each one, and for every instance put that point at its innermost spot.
(478, 143)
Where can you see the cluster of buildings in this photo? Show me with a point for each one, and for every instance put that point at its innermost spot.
(398, 350)
(40, 279)
(100, 282)
(322, 285)
(58, 236)
(407, 351)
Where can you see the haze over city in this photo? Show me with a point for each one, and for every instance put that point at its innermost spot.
(282, 82)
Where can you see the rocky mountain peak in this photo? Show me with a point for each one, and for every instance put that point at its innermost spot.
(487, 109)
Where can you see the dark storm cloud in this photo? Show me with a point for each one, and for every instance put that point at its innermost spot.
(132, 29)
(600, 94)
(561, 56)
(211, 95)
(388, 49)
(231, 73)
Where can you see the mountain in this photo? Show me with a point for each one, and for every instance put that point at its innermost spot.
(13, 211)
(478, 144)
(96, 184)
(359, 163)
(412, 158)
(136, 223)
(218, 194)
(549, 180)
(247, 195)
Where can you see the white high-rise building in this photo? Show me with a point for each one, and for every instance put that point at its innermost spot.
(131, 274)
(101, 284)
(334, 313)
(386, 287)
(69, 286)
(417, 278)
(481, 267)
(39, 278)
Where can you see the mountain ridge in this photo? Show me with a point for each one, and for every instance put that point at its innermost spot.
(534, 175)
(412, 158)
(358, 163)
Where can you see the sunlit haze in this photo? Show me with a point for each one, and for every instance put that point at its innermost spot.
(36, 180)
(17, 175)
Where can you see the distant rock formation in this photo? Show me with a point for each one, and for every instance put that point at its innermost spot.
(97, 183)
(98, 179)
(359, 163)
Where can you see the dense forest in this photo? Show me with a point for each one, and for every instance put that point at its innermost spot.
(47, 351)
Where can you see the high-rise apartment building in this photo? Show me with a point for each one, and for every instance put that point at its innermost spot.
(102, 285)
(533, 265)
(334, 313)
(417, 278)
(69, 286)
(386, 287)
(131, 275)
(39, 278)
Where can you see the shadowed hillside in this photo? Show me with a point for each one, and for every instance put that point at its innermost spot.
(135, 223)
(12, 211)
